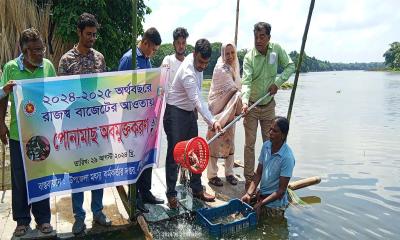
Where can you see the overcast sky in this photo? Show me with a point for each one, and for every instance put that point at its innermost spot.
(340, 31)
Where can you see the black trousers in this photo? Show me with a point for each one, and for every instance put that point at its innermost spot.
(143, 184)
(20, 208)
(179, 125)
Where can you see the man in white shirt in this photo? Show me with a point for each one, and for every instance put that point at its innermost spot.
(180, 121)
(173, 61)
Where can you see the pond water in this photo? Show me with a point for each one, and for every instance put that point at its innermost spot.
(345, 128)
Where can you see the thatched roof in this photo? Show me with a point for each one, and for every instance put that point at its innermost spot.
(18, 15)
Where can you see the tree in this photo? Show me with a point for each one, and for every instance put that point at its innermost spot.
(163, 50)
(115, 18)
(392, 56)
(312, 64)
(309, 64)
(216, 52)
(168, 49)
(241, 53)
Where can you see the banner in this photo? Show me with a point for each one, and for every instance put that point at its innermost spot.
(86, 132)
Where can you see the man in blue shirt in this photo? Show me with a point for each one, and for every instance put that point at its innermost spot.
(146, 48)
(275, 168)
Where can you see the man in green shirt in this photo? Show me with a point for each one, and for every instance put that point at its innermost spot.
(30, 64)
(260, 67)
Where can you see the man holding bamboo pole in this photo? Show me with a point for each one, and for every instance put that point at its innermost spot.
(260, 67)
(180, 120)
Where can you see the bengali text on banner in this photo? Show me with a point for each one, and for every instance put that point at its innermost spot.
(86, 132)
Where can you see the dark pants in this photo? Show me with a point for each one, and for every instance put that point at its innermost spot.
(144, 183)
(20, 207)
(179, 125)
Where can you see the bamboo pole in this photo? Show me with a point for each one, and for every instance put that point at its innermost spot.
(133, 213)
(3, 166)
(237, 22)
(124, 197)
(132, 187)
(302, 183)
(3, 160)
(306, 182)
(145, 228)
(129, 200)
(303, 44)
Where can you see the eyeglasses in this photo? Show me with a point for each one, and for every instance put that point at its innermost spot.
(38, 50)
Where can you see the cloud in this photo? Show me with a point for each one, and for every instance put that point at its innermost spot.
(340, 31)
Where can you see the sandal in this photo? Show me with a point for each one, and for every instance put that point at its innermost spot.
(216, 181)
(45, 228)
(231, 179)
(172, 203)
(21, 230)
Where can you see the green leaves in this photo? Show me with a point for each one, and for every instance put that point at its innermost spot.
(115, 18)
(392, 56)
(168, 49)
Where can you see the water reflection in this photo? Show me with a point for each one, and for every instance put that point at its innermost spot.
(311, 200)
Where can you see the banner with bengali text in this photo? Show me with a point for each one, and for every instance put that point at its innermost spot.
(86, 132)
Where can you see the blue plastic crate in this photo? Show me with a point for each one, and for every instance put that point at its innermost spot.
(205, 217)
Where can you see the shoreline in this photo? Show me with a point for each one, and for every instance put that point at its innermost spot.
(207, 83)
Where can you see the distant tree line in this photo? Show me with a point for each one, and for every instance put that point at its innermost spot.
(310, 64)
(392, 56)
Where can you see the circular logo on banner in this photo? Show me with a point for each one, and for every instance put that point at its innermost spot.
(29, 108)
(38, 148)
